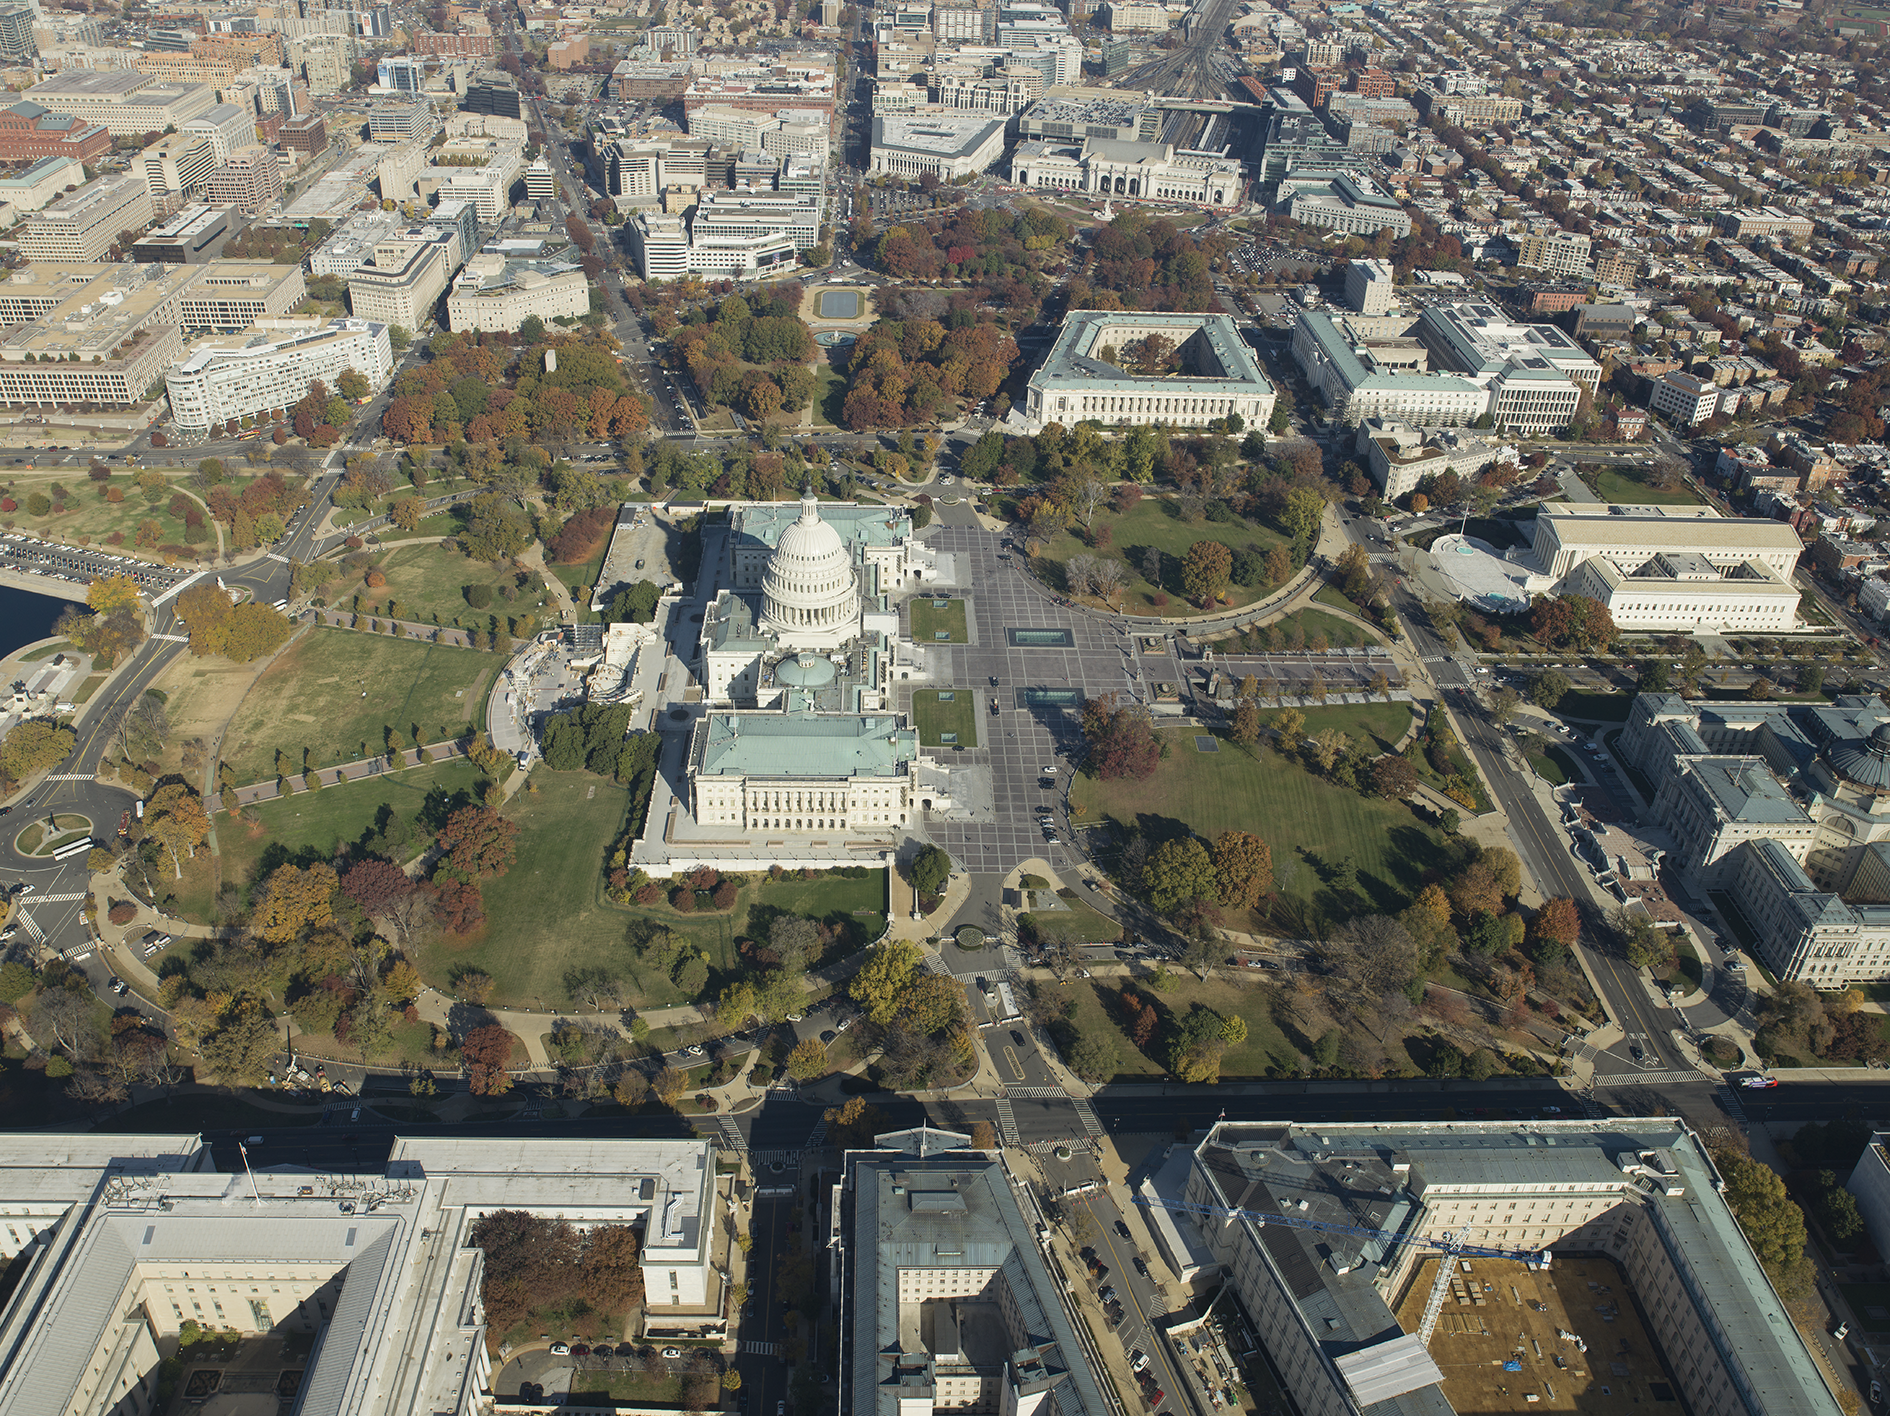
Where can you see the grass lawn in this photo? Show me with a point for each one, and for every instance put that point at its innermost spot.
(1332, 595)
(1266, 1052)
(830, 391)
(314, 822)
(1623, 485)
(1079, 924)
(46, 651)
(1385, 723)
(89, 515)
(1156, 524)
(1603, 707)
(1311, 824)
(92, 685)
(548, 914)
(1305, 627)
(928, 622)
(1499, 532)
(429, 584)
(631, 1387)
(1555, 766)
(956, 714)
(335, 693)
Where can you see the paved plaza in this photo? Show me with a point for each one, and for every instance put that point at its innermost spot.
(1040, 690)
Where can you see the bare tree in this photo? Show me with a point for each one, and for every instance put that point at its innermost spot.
(64, 1019)
(1108, 578)
(1089, 495)
(1080, 574)
(1371, 956)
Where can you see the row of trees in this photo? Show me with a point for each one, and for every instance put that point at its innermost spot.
(477, 388)
(748, 355)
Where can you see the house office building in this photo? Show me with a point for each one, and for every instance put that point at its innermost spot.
(246, 374)
(375, 1276)
(1642, 1192)
(947, 1299)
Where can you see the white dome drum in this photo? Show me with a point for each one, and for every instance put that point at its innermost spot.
(810, 588)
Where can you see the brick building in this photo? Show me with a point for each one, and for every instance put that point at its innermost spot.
(29, 132)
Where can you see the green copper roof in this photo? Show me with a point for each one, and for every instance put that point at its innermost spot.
(802, 745)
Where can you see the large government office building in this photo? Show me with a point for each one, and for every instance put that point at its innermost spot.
(1641, 1192)
(122, 1240)
(1779, 812)
(1219, 377)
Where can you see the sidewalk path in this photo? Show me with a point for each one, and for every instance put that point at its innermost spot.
(356, 771)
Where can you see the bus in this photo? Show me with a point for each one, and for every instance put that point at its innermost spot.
(76, 848)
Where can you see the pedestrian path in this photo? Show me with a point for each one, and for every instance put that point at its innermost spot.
(64, 899)
(25, 921)
(1645, 1079)
(70, 777)
(1036, 1093)
(1007, 1123)
(1087, 1115)
(732, 1135)
(760, 1349)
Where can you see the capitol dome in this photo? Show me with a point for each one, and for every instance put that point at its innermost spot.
(809, 589)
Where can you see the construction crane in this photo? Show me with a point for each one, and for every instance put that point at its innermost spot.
(1450, 1247)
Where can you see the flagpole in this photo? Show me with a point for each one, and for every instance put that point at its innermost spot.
(250, 1173)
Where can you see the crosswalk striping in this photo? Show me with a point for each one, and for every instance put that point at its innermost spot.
(1007, 1124)
(761, 1349)
(1036, 1093)
(26, 921)
(816, 1136)
(1731, 1099)
(1087, 1115)
(60, 899)
(275, 556)
(173, 638)
(72, 777)
(771, 1157)
(1646, 1079)
(732, 1135)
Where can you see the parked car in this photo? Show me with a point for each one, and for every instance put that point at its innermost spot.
(559, 1349)
(1138, 1359)
(672, 1352)
(1123, 1230)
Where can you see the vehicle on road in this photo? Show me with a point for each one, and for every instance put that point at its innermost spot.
(1123, 1229)
(1141, 1265)
(1017, 1037)
(1759, 1083)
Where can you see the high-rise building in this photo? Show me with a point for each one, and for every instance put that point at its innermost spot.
(403, 72)
(250, 181)
(540, 184)
(16, 34)
(494, 93)
(177, 164)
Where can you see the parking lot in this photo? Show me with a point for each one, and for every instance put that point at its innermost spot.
(82, 566)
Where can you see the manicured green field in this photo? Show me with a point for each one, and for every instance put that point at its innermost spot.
(1311, 824)
(927, 622)
(311, 824)
(1312, 625)
(548, 915)
(1266, 1051)
(1156, 525)
(1617, 486)
(429, 585)
(335, 693)
(935, 718)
